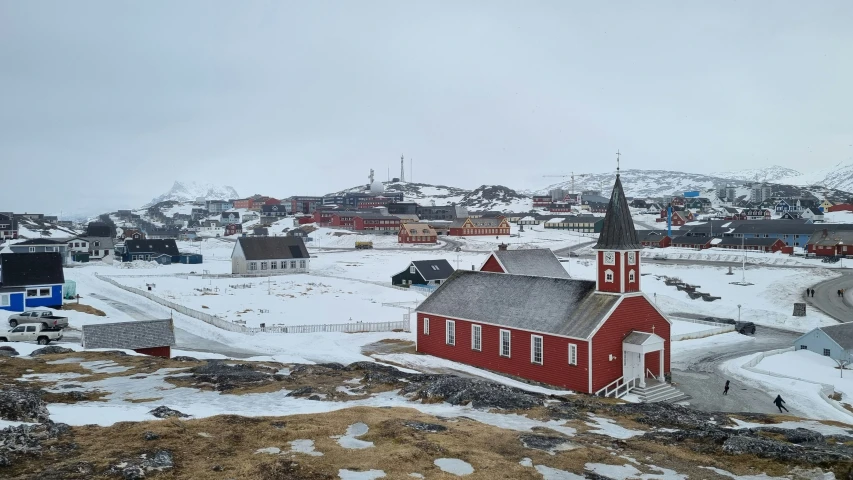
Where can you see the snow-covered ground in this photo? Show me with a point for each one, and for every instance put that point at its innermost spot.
(797, 376)
(680, 327)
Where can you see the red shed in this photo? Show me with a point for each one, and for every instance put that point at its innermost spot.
(603, 336)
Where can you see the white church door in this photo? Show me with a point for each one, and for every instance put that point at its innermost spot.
(632, 365)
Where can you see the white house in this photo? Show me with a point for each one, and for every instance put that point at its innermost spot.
(269, 256)
(813, 213)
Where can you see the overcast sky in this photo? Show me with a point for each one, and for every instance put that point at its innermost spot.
(106, 103)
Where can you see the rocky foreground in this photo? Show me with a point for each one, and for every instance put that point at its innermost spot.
(577, 435)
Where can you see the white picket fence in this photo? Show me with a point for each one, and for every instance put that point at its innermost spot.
(702, 333)
(353, 327)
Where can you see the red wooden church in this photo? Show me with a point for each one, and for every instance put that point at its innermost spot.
(601, 337)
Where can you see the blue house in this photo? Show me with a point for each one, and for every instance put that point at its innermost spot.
(31, 280)
(782, 206)
(191, 258)
(149, 250)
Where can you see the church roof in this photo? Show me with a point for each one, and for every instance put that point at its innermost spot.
(618, 231)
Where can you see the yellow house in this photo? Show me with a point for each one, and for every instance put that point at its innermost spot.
(825, 204)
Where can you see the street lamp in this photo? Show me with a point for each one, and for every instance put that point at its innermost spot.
(738, 312)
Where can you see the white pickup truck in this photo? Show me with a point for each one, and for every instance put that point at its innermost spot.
(31, 333)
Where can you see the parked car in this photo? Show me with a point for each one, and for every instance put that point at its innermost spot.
(744, 328)
(32, 333)
(44, 317)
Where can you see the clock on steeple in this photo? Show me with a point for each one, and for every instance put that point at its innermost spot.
(618, 247)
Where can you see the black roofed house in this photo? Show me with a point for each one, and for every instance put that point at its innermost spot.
(274, 210)
(814, 213)
(424, 272)
(8, 226)
(269, 256)
(654, 238)
(149, 337)
(228, 218)
(834, 341)
(30, 280)
(163, 251)
(98, 229)
(535, 261)
(40, 245)
(692, 241)
(601, 336)
(830, 243)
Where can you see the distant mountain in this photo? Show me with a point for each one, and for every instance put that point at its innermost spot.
(838, 176)
(774, 173)
(642, 183)
(484, 197)
(189, 191)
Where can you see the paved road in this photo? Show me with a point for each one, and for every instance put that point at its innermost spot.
(697, 373)
(564, 252)
(184, 340)
(826, 298)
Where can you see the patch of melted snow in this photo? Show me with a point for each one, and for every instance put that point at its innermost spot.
(625, 472)
(304, 446)
(608, 427)
(762, 476)
(349, 439)
(104, 366)
(549, 473)
(354, 475)
(454, 466)
(269, 450)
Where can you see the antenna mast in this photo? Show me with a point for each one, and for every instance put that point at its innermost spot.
(402, 170)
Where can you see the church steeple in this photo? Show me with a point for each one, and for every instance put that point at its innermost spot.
(618, 247)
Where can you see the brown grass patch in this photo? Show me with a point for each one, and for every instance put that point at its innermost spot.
(79, 307)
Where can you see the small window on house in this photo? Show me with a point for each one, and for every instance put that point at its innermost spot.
(608, 276)
(253, 265)
(505, 343)
(573, 354)
(536, 349)
(302, 264)
(412, 269)
(476, 337)
(825, 352)
(293, 264)
(426, 326)
(273, 265)
(450, 332)
(631, 276)
(264, 265)
(804, 347)
(44, 292)
(32, 249)
(4, 300)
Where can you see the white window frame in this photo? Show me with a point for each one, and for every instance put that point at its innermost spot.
(426, 326)
(508, 352)
(284, 264)
(32, 249)
(293, 264)
(608, 276)
(477, 338)
(573, 354)
(264, 265)
(5, 300)
(412, 270)
(632, 277)
(302, 264)
(253, 266)
(450, 332)
(533, 339)
(274, 265)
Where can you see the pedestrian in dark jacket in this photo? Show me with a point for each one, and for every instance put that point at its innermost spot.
(726, 389)
(813, 292)
(779, 403)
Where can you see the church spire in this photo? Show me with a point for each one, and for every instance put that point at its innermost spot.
(618, 232)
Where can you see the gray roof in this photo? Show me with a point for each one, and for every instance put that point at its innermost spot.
(558, 306)
(651, 235)
(637, 338)
(537, 261)
(434, 269)
(129, 335)
(618, 231)
(749, 242)
(789, 227)
(272, 248)
(842, 334)
(831, 238)
(690, 240)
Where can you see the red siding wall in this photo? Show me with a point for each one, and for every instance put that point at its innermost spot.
(165, 352)
(555, 369)
(492, 265)
(613, 286)
(634, 313)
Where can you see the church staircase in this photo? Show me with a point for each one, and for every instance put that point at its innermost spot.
(657, 391)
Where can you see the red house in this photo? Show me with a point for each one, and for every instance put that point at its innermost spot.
(601, 337)
(417, 233)
(769, 245)
(233, 229)
(479, 226)
(541, 200)
(374, 221)
(243, 203)
(827, 243)
(654, 238)
(679, 217)
(841, 207)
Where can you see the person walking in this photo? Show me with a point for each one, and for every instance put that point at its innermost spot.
(813, 292)
(779, 403)
(726, 389)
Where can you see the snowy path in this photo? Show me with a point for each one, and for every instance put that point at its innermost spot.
(184, 340)
(827, 301)
(696, 371)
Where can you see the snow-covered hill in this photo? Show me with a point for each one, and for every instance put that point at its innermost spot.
(643, 183)
(189, 191)
(772, 173)
(485, 197)
(838, 176)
